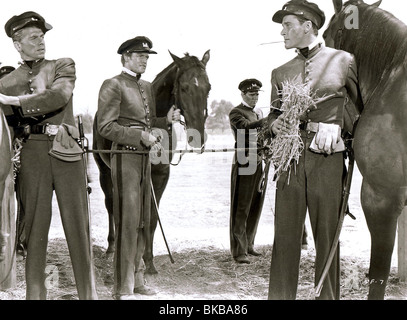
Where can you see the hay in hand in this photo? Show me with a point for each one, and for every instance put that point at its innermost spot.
(286, 148)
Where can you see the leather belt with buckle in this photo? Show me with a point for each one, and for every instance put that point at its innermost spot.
(309, 126)
(138, 127)
(49, 129)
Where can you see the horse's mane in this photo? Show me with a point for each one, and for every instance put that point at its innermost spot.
(381, 43)
(190, 61)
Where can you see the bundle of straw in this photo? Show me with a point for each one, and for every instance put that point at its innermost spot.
(286, 148)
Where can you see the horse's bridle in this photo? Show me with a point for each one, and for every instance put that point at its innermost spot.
(178, 104)
(175, 91)
(339, 34)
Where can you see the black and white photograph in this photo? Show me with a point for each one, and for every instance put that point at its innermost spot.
(217, 153)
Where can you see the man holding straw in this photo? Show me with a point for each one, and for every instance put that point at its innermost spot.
(315, 85)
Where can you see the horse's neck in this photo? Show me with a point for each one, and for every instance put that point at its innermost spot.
(379, 50)
(369, 85)
(163, 86)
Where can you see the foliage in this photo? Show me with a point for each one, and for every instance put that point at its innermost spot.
(218, 118)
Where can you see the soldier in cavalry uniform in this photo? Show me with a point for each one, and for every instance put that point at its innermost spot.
(126, 116)
(246, 200)
(316, 184)
(37, 100)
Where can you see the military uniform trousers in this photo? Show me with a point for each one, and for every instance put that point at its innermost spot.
(245, 210)
(40, 174)
(316, 184)
(131, 175)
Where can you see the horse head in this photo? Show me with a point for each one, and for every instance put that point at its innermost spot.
(191, 90)
(346, 19)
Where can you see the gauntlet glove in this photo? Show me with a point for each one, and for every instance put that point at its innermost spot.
(147, 139)
(65, 146)
(328, 139)
(67, 135)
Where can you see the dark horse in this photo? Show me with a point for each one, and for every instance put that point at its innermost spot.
(185, 84)
(379, 44)
(7, 214)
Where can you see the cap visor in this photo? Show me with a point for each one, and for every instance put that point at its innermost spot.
(279, 15)
(140, 51)
(47, 26)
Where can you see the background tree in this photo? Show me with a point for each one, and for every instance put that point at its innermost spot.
(218, 118)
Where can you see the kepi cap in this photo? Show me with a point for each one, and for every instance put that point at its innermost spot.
(137, 44)
(6, 70)
(250, 85)
(26, 19)
(301, 8)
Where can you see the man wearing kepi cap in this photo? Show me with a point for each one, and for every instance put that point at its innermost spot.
(246, 201)
(316, 181)
(37, 98)
(126, 116)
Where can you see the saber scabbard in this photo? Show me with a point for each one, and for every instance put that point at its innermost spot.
(84, 146)
(159, 220)
(343, 211)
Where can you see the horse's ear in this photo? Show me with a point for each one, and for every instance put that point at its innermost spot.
(337, 5)
(177, 60)
(206, 58)
(377, 4)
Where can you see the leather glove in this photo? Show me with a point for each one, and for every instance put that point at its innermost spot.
(66, 135)
(328, 139)
(173, 114)
(156, 153)
(147, 139)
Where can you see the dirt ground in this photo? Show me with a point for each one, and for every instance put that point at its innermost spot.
(194, 212)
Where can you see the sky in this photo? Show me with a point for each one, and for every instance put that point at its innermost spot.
(90, 32)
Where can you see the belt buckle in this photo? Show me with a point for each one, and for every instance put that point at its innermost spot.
(51, 129)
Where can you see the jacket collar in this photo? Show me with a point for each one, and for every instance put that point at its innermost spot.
(131, 73)
(244, 104)
(315, 47)
(31, 64)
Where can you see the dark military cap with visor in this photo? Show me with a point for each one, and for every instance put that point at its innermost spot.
(250, 85)
(24, 20)
(301, 8)
(137, 44)
(6, 70)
